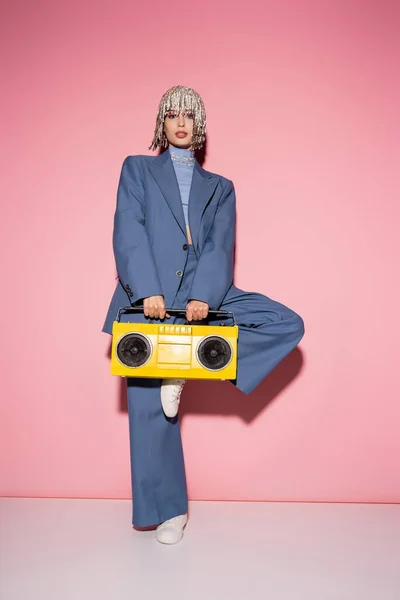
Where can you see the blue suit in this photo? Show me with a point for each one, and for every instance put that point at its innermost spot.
(150, 233)
(153, 257)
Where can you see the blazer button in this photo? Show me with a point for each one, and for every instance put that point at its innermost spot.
(131, 293)
(179, 273)
(185, 246)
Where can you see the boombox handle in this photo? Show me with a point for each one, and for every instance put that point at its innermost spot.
(174, 310)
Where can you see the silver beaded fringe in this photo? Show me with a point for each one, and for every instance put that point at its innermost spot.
(181, 159)
(180, 98)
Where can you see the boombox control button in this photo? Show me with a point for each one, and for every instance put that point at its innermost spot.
(185, 246)
(179, 273)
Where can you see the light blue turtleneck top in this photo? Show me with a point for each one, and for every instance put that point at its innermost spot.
(183, 162)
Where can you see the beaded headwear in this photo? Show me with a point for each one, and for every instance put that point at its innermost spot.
(180, 98)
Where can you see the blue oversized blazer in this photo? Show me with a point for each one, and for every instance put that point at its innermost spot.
(149, 236)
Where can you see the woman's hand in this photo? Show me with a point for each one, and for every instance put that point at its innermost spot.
(196, 310)
(154, 307)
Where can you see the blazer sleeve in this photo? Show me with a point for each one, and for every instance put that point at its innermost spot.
(214, 272)
(134, 258)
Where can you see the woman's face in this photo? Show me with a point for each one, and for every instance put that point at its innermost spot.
(176, 125)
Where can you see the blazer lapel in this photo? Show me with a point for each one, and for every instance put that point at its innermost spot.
(164, 173)
(201, 191)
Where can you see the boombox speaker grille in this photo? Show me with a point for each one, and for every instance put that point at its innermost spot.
(214, 353)
(133, 350)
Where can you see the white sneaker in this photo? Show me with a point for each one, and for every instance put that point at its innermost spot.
(170, 395)
(171, 531)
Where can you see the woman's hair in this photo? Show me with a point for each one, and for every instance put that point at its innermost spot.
(180, 98)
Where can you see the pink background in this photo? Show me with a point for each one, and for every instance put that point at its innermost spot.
(303, 103)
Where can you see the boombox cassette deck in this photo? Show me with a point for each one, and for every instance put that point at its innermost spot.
(182, 351)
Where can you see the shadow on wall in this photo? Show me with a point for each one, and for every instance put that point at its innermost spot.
(223, 398)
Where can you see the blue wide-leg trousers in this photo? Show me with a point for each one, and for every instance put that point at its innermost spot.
(268, 331)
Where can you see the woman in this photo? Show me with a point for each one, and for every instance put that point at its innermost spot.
(173, 241)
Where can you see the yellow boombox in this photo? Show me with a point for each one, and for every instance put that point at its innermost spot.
(178, 351)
